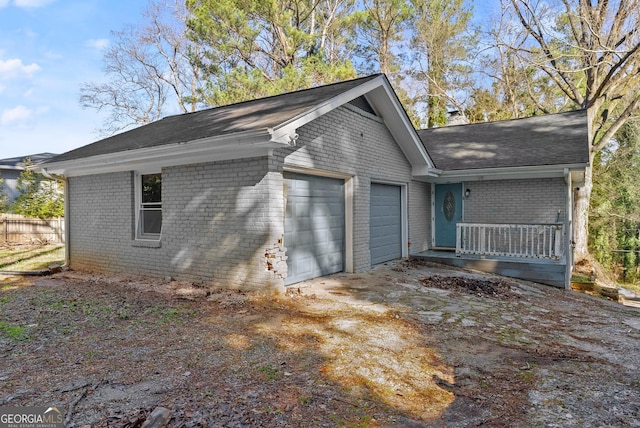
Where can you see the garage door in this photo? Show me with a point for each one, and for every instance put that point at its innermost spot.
(385, 225)
(313, 226)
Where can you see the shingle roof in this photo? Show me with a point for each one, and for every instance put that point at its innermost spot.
(554, 139)
(255, 115)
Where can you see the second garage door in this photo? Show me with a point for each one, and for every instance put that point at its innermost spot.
(314, 226)
(385, 225)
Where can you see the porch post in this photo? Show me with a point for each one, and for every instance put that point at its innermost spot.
(568, 227)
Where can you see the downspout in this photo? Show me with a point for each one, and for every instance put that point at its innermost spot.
(568, 244)
(67, 229)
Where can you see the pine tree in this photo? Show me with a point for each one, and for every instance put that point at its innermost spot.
(39, 196)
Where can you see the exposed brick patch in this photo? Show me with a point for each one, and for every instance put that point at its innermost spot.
(276, 259)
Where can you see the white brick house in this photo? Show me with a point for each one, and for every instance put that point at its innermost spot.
(270, 192)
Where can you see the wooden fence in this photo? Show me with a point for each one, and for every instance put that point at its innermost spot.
(17, 228)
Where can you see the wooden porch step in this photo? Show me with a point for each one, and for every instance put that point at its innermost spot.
(543, 273)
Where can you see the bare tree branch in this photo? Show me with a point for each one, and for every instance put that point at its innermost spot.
(557, 74)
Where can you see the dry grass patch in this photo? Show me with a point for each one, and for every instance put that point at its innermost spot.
(29, 257)
(236, 357)
(375, 356)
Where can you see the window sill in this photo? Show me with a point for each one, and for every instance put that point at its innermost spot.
(146, 243)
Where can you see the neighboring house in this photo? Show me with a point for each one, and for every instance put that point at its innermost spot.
(274, 191)
(11, 168)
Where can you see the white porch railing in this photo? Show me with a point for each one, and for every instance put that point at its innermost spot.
(511, 240)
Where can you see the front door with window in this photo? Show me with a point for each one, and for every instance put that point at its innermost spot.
(448, 211)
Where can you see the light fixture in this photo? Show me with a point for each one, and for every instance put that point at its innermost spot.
(467, 193)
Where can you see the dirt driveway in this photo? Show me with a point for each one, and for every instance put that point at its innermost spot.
(406, 345)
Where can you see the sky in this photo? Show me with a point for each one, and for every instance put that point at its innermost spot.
(48, 48)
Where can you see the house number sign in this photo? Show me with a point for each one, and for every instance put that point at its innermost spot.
(449, 206)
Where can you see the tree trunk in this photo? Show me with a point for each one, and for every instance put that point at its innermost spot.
(582, 196)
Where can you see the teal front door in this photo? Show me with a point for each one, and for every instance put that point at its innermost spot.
(448, 205)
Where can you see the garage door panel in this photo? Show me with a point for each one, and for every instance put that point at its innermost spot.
(314, 226)
(385, 225)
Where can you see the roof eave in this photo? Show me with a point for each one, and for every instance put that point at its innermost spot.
(504, 173)
(212, 149)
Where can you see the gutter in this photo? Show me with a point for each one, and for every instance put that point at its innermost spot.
(438, 175)
(196, 151)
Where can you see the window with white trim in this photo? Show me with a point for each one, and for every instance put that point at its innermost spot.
(148, 206)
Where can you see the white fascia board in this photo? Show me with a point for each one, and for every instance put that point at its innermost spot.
(510, 173)
(425, 171)
(225, 147)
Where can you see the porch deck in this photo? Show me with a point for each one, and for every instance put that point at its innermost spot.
(544, 271)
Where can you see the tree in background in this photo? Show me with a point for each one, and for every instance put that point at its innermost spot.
(146, 67)
(442, 46)
(216, 52)
(614, 229)
(256, 49)
(591, 52)
(381, 26)
(516, 86)
(38, 196)
(380, 34)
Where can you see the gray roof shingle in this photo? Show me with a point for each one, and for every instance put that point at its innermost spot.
(254, 115)
(554, 139)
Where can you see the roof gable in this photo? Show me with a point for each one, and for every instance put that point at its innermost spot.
(244, 129)
(555, 139)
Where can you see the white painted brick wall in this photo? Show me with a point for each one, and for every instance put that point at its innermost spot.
(540, 200)
(217, 224)
(419, 216)
(348, 140)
